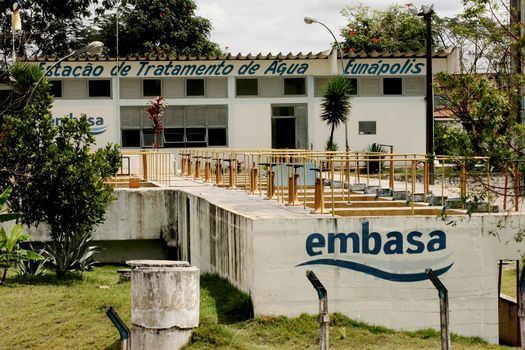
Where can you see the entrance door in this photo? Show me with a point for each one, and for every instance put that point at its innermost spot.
(283, 132)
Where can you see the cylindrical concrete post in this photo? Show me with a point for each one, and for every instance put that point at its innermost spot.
(164, 303)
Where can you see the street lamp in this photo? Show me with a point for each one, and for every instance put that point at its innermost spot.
(426, 12)
(310, 20)
(93, 48)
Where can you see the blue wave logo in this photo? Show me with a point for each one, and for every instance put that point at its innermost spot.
(98, 130)
(385, 275)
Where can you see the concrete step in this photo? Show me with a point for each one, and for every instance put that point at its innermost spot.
(404, 211)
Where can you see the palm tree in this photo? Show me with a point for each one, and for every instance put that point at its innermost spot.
(336, 106)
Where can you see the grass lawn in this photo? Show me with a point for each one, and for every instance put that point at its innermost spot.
(508, 279)
(50, 314)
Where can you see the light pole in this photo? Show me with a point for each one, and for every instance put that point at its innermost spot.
(426, 12)
(310, 20)
(93, 48)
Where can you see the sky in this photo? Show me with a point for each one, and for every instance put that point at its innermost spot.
(273, 26)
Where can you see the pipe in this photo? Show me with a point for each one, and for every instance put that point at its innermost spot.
(121, 327)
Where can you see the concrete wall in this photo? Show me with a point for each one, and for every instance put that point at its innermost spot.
(216, 240)
(265, 252)
(135, 214)
(508, 320)
(471, 251)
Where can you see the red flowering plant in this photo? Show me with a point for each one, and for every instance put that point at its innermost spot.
(155, 112)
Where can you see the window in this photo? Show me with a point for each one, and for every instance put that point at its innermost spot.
(130, 138)
(353, 86)
(216, 137)
(247, 87)
(392, 86)
(294, 86)
(99, 88)
(367, 128)
(195, 87)
(184, 126)
(283, 111)
(151, 87)
(56, 88)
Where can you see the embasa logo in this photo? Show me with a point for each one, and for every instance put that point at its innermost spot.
(96, 123)
(365, 247)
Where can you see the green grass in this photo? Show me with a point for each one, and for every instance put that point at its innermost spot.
(48, 314)
(508, 280)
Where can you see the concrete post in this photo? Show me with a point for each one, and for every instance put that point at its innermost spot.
(197, 169)
(183, 166)
(270, 190)
(145, 165)
(207, 171)
(164, 303)
(253, 180)
(218, 173)
(318, 196)
(292, 190)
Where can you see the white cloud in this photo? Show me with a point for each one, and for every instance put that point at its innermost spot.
(253, 26)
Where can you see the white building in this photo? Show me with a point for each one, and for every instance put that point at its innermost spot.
(247, 101)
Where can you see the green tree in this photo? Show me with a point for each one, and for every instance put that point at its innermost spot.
(57, 178)
(484, 111)
(486, 107)
(155, 27)
(48, 27)
(335, 106)
(395, 28)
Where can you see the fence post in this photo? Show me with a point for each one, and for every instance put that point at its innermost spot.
(463, 180)
(521, 312)
(145, 165)
(516, 187)
(197, 168)
(443, 309)
(121, 327)
(207, 170)
(318, 194)
(324, 320)
(391, 179)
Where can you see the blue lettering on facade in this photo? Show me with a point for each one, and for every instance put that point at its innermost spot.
(353, 67)
(96, 123)
(370, 243)
(251, 68)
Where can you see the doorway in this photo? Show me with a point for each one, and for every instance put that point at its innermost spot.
(283, 132)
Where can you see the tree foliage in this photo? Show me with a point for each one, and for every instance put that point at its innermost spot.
(392, 29)
(154, 27)
(335, 106)
(48, 27)
(484, 111)
(57, 178)
(487, 107)
(55, 27)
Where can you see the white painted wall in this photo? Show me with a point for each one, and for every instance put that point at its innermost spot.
(281, 287)
(250, 124)
(400, 121)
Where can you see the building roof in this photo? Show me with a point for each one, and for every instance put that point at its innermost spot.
(238, 57)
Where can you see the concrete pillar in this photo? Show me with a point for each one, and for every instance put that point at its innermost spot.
(164, 303)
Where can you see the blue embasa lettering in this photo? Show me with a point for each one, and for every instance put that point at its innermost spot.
(379, 68)
(373, 243)
(96, 123)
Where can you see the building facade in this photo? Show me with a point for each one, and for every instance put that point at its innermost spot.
(261, 101)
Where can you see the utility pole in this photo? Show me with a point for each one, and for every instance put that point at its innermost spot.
(516, 18)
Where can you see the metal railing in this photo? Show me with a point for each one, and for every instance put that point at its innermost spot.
(145, 168)
(401, 182)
